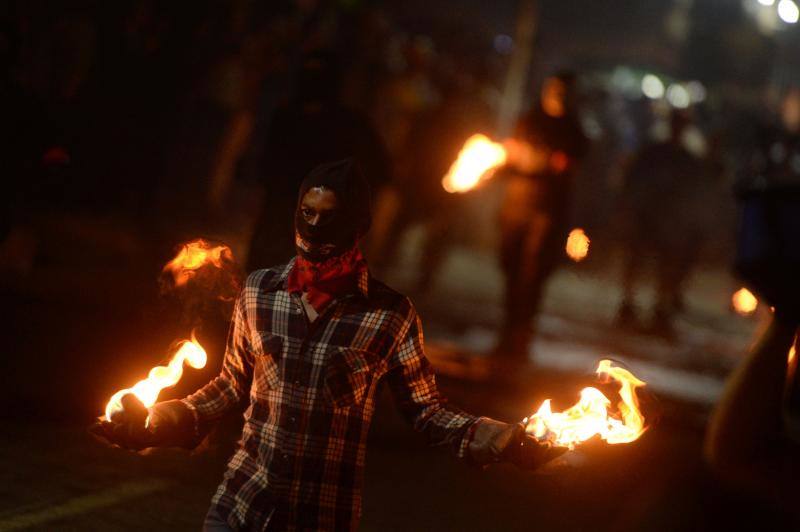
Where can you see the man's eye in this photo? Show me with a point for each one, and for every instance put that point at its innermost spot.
(307, 213)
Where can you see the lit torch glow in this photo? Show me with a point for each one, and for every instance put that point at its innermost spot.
(744, 302)
(160, 377)
(193, 256)
(478, 156)
(590, 416)
(577, 245)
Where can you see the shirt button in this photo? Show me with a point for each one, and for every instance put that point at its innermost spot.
(285, 456)
(292, 419)
(297, 383)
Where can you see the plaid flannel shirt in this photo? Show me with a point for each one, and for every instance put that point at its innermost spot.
(311, 389)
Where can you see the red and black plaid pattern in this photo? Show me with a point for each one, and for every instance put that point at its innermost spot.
(310, 390)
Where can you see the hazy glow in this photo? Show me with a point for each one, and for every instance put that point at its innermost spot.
(697, 92)
(766, 2)
(652, 86)
(788, 11)
(678, 96)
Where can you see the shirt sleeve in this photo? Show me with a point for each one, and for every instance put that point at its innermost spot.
(413, 385)
(232, 385)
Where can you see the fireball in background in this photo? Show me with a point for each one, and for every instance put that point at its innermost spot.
(577, 244)
(475, 160)
(744, 302)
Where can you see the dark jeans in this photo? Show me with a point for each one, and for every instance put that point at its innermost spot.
(526, 268)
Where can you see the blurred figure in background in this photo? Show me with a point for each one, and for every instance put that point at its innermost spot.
(312, 128)
(547, 147)
(664, 208)
(435, 139)
(403, 102)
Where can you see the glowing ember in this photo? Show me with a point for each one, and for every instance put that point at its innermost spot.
(577, 245)
(591, 416)
(744, 302)
(476, 158)
(160, 377)
(193, 256)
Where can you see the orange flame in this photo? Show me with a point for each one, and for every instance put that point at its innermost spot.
(476, 158)
(744, 302)
(193, 256)
(590, 415)
(577, 245)
(160, 377)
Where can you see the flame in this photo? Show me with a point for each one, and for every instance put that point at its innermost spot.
(590, 415)
(476, 158)
(744, 302)
(577, 245)
(193, 256)
(160, 377)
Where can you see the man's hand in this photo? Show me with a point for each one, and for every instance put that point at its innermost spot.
(494, 441)
(166, 424)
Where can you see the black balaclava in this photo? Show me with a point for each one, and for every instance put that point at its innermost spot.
(350, 221)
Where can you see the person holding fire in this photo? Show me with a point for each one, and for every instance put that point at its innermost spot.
(308, 343)
(543, 154)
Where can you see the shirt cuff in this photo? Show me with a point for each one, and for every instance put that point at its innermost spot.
(463, 449)
(195, 415)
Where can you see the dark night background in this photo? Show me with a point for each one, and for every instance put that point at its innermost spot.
(130, 126)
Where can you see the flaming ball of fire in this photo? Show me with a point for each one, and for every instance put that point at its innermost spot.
(476, 158)
(193, 256)
(160, 377)
(744, 302)
(590, 416)
(577, 245)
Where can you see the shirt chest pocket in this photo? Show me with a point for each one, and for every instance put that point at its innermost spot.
(266, 372)
(348, 375)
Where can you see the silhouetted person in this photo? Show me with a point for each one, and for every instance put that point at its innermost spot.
(311, 129)
(546, 149)
(663, 196)
(437, 137)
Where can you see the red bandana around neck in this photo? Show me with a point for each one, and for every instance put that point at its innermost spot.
(323, 282)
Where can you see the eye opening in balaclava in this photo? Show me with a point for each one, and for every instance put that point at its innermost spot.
(350, 220)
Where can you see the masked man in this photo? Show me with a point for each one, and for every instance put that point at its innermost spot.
(308, 344)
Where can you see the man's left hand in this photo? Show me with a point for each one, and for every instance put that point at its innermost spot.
(494, 441)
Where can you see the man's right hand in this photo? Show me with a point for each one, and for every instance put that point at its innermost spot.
(166, 424)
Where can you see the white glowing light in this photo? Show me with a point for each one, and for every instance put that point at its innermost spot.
(652, 87)
(626, 82)
(678, 96)
(788, 11)
(766, 2)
